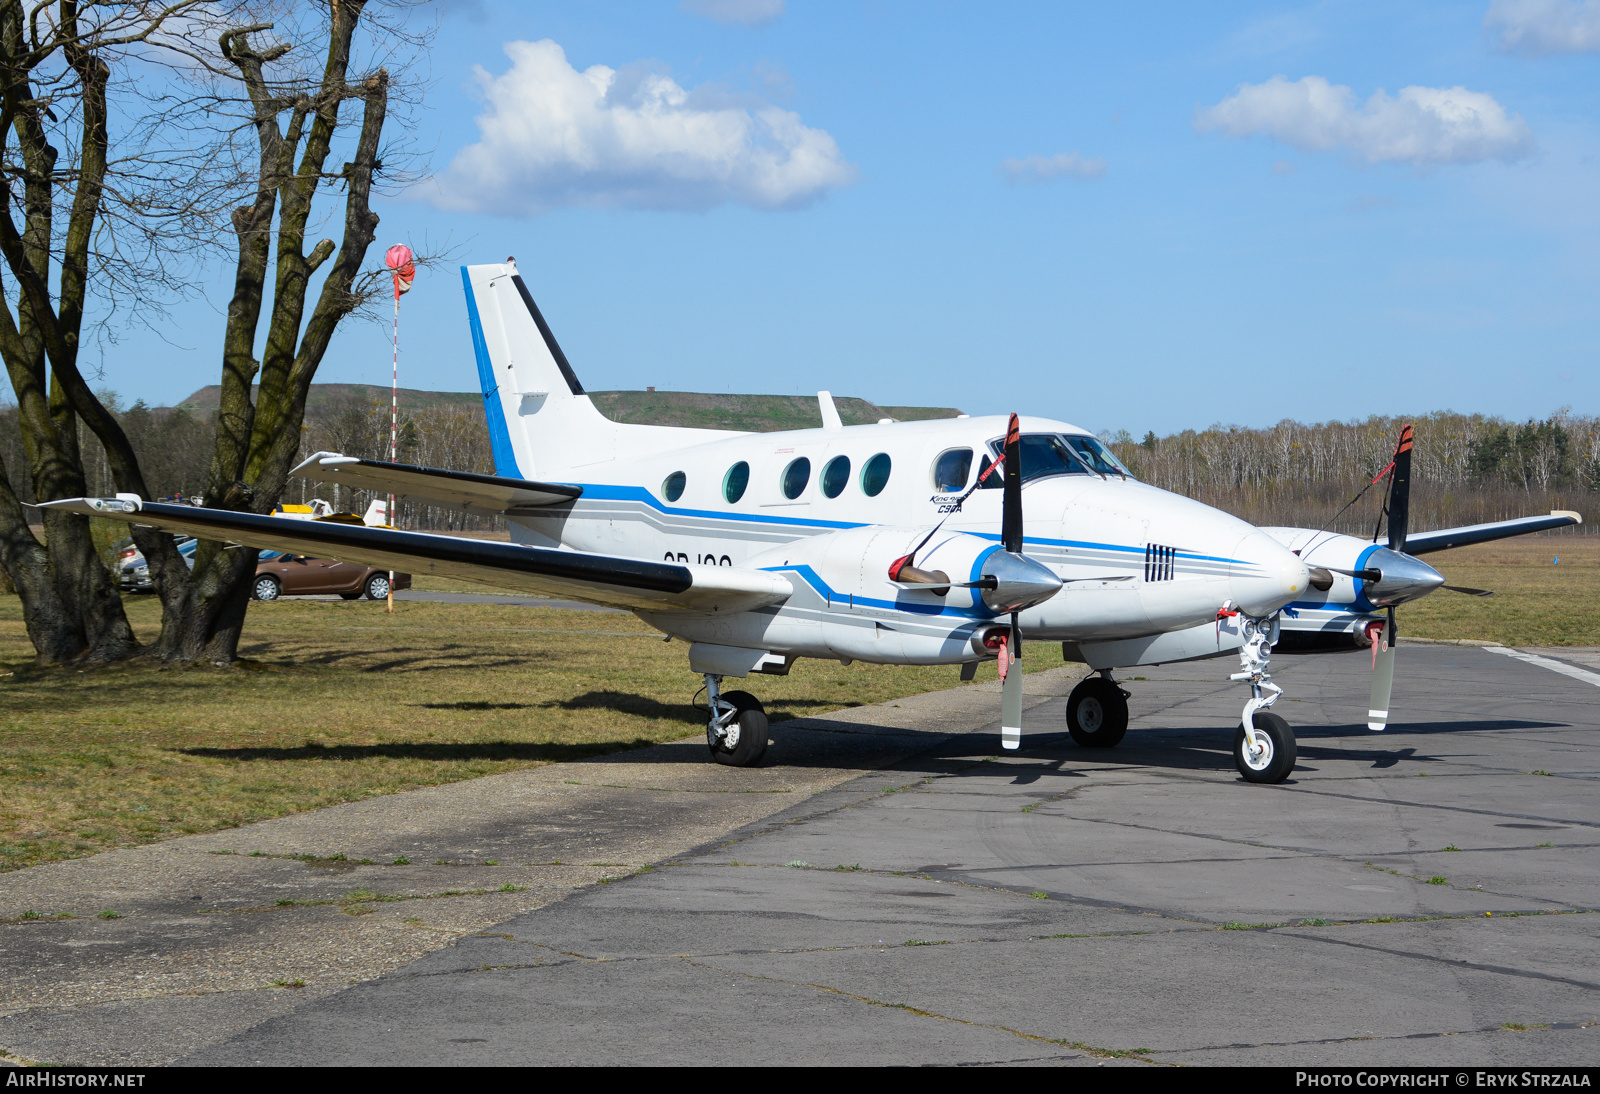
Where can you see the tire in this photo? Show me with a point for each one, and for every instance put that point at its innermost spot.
(350, 596)
(1097, 713)
(752, 726)
(266, 587)
(1277, 762)
(378, 587)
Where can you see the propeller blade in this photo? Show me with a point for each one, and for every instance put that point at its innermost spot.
(1400, 492)
(1382, 680)
(1011, 513)
(1011, 688)
(1469, 592)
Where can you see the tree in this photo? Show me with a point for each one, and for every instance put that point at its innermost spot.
(179, 165)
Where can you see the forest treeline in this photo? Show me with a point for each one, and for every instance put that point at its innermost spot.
(1467, 468)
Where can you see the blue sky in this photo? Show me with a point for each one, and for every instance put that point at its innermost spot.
(1128, 216)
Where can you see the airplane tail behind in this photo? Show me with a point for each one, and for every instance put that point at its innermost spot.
(540, 420)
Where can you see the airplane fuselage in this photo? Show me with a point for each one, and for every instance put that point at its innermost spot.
(1138, 562)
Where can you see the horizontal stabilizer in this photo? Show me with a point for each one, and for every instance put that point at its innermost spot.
(630, 583)
(1420, 543)
(465, 491)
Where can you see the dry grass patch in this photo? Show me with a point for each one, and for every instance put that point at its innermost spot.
(342, 700)
(1535, 603)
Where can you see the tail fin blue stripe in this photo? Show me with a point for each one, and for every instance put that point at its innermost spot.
(505, 459)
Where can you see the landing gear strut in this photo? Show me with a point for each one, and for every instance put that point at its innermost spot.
(737, 730)
(1263, 746)
(1097, 712)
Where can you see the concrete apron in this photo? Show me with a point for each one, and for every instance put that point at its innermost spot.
(219, 932)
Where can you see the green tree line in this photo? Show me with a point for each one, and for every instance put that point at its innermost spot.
(1466, 468)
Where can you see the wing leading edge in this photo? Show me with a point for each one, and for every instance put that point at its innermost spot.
(1420, 543)
(461, 490)
(630, 583)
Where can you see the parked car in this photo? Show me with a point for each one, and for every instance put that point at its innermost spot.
(279, 574)
(133, 572)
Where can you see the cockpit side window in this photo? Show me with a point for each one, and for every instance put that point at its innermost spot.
(951, 469)
(1047, 454)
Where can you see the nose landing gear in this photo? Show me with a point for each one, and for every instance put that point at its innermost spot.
(1264, 746)
(737, 730)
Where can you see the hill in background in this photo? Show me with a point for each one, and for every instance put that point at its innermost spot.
(756, 413)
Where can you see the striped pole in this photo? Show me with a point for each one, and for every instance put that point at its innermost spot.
(394, 428)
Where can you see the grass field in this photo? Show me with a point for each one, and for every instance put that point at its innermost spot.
(341, 701)
(1535, 602)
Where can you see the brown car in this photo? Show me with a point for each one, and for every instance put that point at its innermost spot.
(283, 574)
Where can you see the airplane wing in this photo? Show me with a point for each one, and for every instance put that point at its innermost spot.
(1420, 543)
(629, 583)
(489, 495)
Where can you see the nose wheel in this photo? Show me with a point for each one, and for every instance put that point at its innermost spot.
(737, 730)
(1270, 755)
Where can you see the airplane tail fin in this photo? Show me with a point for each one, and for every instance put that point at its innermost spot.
(541, 422)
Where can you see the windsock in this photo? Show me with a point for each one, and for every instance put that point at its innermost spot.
(399, 260)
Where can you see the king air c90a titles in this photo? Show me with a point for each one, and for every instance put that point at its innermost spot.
(939, 542)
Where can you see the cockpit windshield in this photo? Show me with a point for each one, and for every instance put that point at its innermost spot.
(1047, 454)
(1099, 456)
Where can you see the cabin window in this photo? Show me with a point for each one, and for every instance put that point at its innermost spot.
(735, 481)
(875, 475)
(951, 469)
(672, 487)
(836, 476)
(795, 477)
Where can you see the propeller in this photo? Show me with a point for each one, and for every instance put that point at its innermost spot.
(1011, 540)
(1399, 517)
(1009, 581)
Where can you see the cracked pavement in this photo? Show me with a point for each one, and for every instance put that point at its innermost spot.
(1421, 896)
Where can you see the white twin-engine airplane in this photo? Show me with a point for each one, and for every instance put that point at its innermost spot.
(896, 543)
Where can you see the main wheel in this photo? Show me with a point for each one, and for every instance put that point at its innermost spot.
(378, 587)
(1097, 713)
(1273, 762)
(350, 596)
(266, 587)
(746, 740)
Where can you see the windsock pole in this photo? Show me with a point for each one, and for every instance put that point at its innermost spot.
(403, 268)
(394, 423)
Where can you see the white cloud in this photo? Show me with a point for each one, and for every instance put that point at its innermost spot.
(747, 13)
(632, 137)
(1045, 168)
(1420, 125)
(1546, 26)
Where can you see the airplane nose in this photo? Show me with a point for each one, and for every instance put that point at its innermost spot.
(1265, 575)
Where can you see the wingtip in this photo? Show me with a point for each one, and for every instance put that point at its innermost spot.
(1573, 515)
(95, 507)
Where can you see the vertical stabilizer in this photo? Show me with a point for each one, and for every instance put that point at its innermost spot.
(541, 423)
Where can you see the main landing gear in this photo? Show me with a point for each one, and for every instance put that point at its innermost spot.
(737, 730)
(1097, 712)
(1263, 746)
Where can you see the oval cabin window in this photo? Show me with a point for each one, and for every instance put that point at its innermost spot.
(875, 475)
(795, 477)
(672, 488)
(951, 469)
(735, 481)
(835, 476)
